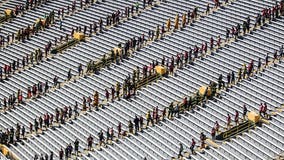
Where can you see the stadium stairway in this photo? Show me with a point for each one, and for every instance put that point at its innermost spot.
(148, 98)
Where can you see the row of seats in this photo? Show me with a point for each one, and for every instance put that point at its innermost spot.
(122, 111)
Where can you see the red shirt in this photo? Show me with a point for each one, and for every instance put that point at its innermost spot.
(261, 108)
(185, 101)
(263, 12)
(219, 41)
(213, 131)
(229, 119)
(237, 116)
(186, 55)
(193, 143)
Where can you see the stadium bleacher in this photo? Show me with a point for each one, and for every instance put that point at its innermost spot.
(160, 141)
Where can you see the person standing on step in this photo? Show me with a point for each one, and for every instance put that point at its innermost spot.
(227, 34)
(118, 87)
(247, 24)
(136, 124)
(66, 153)
(264, 110)
(188, 17)
(81, 4)
(112, 93)
(157, 32)
(183, 20)
(107, 94)
(130, 126)
(51, 155)
(96, 100)
(90, 142)
(156, 113)
(168, 25)
(275, 56)
(171, 109)
(192, 146)
(207, 9)
(195, 52)
(221, 83)
(240, 75)
(176, 22)
(101, 24)
(70, 111)
(141, 123)
(228, 121)
(281, 53)
(17, 133)
(40, 122)
(266, 60)
(217, 126)
(237, 117)
(85, 30)
(177, 110)
(259, 65)
(101, 138)
(202, 140)
(261, 108)
(211, 43)
(217, 3)
(95, 27)
(228, 79)
(244, 71)
(213, 133)
(149, 118)
(111, 133)
(218, 41)
(61, 154)
(80, 69)
(244, 26)
(250, 68)
(23, 132)
(31, 128)
(119, 129)
(180, 150)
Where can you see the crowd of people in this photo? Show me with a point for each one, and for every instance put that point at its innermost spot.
(133, 44)
(10, 136)
(25, 33)
(21, 8)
